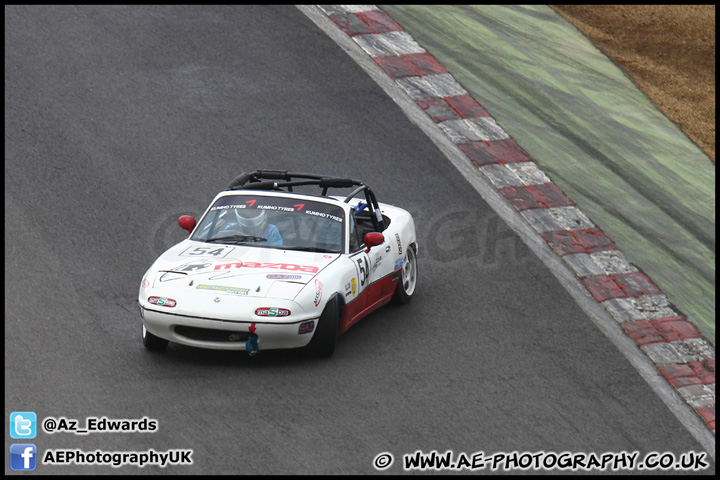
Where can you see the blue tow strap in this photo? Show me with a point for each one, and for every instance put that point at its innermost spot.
(252, 344)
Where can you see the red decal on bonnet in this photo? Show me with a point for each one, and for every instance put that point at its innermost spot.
(229, 265)
(280, 266)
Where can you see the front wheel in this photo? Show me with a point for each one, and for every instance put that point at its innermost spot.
(326, 332)
(152, 342)
(408, 278)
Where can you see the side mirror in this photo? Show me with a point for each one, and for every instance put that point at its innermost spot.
(373, 239)
(187, 222)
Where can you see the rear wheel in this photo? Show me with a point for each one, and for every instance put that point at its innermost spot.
(153, 342)
(408, 278)
(326, 332)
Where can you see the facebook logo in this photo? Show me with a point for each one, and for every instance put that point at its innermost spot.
(23, 425)
(22, 456)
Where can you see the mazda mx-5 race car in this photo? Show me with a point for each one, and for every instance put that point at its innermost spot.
(269, 268)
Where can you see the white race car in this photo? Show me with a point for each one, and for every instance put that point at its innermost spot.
(269, 268)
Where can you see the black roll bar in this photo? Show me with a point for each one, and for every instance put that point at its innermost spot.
(268, 180)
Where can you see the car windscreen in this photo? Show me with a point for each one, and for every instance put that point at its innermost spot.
(278, 222)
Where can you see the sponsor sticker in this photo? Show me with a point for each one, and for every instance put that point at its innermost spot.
(272, 312)
(220, 288)
(318, 291)
(306, 327)
(399, 263)
(162, 301)
(378, 261)
(325, 215)
(353, 283)
(192, 267)
(280, 276)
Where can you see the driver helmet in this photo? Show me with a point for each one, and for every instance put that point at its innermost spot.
(251, 221)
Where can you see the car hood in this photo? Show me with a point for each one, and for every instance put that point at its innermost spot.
(236, 270)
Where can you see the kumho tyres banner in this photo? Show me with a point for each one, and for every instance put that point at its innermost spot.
(597, 136)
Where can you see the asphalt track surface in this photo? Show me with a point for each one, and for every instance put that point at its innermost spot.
(119, 119)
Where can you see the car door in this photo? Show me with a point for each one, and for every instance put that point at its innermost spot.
(381, 258)
(361, 262)
(372, 266)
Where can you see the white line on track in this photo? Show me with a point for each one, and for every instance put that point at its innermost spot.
(600, 317)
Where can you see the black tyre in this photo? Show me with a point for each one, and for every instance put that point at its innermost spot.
(326, 332)
(408, 278)
(152, 342)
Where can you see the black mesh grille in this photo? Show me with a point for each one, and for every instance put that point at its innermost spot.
(211, 335)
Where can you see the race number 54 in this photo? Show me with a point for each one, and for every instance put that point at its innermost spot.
(364, 266)
(214, 251)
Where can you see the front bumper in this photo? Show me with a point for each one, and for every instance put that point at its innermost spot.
(226, 334)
